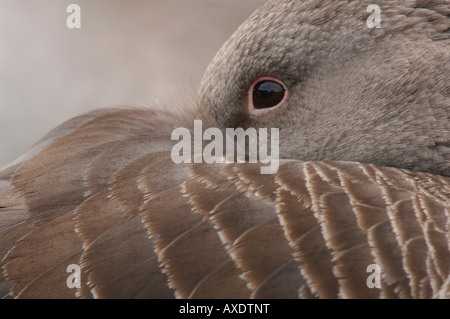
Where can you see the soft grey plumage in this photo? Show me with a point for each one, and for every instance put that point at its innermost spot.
(374, 82)
(101, 190)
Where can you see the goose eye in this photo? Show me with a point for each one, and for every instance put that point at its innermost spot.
(266, 94)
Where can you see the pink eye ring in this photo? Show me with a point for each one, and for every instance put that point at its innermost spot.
(266, 94)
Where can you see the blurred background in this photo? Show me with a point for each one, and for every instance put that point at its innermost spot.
(126, 53)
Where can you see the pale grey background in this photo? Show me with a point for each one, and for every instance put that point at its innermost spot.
(127, 52)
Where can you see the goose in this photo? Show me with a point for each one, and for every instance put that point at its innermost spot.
(358, 207)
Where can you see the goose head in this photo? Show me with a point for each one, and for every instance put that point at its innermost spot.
(336, 88)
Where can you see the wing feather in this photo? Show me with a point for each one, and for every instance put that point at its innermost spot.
(102, 192)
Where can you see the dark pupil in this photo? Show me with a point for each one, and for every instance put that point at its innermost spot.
(267, 94)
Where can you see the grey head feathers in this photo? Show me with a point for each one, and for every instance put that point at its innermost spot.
(354, 93)
(363, 179)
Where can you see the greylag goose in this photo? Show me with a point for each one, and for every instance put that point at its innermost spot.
(357, 206)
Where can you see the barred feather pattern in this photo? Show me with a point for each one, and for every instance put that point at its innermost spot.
(102, 192)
